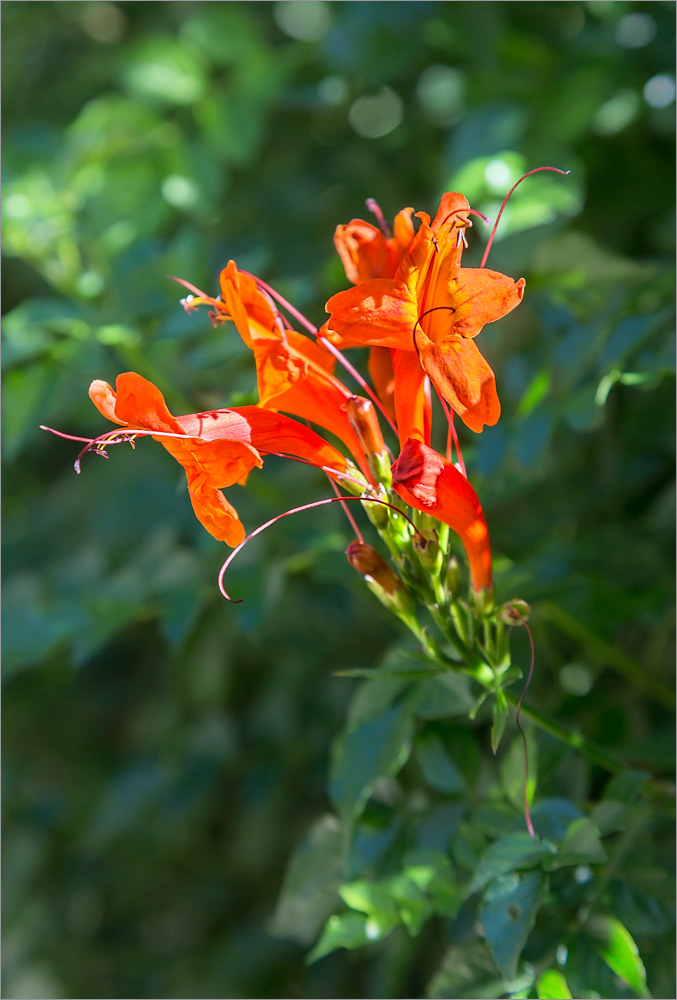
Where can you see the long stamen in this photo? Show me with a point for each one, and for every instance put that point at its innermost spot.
(292, 310)
(297, 510)
(468, 211)
(346, 511)
(527, 815)
(452, 433)
(505, 201)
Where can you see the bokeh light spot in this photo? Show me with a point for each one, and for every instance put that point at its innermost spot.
(616, 113)
(17, 206)
(441, 90)
(575, 679)
(332, 90)
(374, 115)
(635, 30)
(179, 191)
(497, 174)
(307, 21)
(104, 22)
(659, 91)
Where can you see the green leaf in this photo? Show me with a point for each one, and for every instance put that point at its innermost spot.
(342, 930)
(438, 769)
(413, 906)
(552, 986)
(626, 787)
(310, 888)
(515, 852)
(431, 871)
(501, 712)
(581, 845)
(372, 899)
(609, 816)
(507, 915)
(375, 749)
(443, 697)
(466, 971)
(620, 953)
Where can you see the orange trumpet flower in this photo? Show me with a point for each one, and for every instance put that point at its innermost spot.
(434, 307)
(428, 482)
(216, 448)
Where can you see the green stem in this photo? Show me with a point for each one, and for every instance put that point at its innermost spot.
(597, 755)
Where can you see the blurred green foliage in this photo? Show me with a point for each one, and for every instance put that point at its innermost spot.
(164, 752)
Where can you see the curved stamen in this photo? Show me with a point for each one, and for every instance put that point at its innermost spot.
(527, 815)
(292, 310)
(422, 316)
(505, 201)
(297, 510)
(468, 211)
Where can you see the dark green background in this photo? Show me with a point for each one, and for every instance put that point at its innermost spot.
(164, 751)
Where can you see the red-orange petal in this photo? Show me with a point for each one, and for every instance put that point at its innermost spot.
(139, 403)
(377, 313)
(430, 483)
(412, 401)
(103, 397)
(380, 367)
(478, 296)
(463, 377)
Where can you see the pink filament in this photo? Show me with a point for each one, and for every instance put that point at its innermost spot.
(505, 201)
(297, 510)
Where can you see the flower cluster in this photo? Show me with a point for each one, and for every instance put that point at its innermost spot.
(418, 310)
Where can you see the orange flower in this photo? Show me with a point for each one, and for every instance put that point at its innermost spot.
(294, 373)
(435, 307)
(368, 252)
(428, 482)
(216, 448)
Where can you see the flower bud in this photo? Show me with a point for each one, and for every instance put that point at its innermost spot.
(427, 549)
(364, 421)
(452, 583)
(367, 561)
(515, 612)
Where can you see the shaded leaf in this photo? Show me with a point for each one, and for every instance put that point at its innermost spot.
(507, 915)
(374, 749)
(310, 888)
(515, 852)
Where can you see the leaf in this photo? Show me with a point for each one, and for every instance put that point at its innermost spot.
(466, 971)
(413, 906)
(501, 712)
(609, 816)
(310, 888)
(375, 749)
(626, 787)
(513, 853)
(581, 845)
(443, 697)
(507, 915)
(438, 769)
(552, 986)
(620, 953)
(342, 930)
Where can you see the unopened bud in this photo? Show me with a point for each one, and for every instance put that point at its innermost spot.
(515, 612)
(427, 549)
(367, 561)
(452, 583)
(363, 419)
